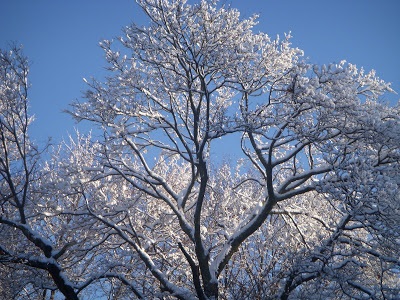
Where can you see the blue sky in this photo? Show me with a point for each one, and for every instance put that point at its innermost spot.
(61, 40)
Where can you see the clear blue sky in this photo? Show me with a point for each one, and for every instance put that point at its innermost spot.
(61, 40)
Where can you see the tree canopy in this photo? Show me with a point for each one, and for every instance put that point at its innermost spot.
(307, 207)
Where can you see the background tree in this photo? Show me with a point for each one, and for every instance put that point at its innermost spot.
(43, 253)
(26, 246)
(318, 149)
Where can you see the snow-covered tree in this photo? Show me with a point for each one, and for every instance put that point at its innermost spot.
(311, 207)
(222, 165)
(28, 251)
(44, 248)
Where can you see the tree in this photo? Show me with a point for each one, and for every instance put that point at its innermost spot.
(27, 248)
(307, 205)
(43, 253)
(314, 199)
